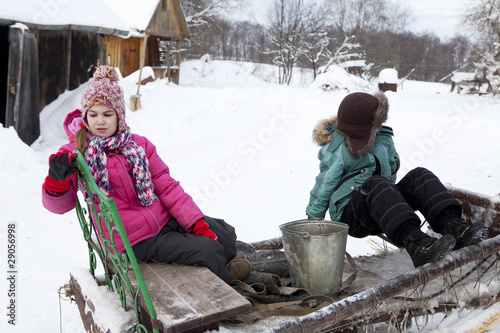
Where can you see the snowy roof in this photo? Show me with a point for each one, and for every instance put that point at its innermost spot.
(388, 75)
(135, 13)
(78, 14)
(353, 63)
(463, 76)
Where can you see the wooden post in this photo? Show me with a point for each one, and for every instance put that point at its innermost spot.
(135, 100)
(68, 60)
(18, 83)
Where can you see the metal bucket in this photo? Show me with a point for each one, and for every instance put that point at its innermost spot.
(315, 250)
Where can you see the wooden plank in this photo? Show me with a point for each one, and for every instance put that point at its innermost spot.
(479, 207)
(489, 324)
(206, 293)
(187, 297)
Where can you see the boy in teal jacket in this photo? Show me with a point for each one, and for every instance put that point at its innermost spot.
(356, 184)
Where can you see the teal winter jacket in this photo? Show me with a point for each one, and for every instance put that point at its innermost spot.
(341, 174)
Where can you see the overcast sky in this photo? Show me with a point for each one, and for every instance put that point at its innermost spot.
(438, 16)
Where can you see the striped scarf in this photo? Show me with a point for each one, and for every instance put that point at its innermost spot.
(96, 158)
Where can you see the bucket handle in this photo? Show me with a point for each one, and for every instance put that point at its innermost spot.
(305, 235)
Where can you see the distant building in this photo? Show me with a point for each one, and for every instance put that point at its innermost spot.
(354, 67)
(388, 79)
(467, 78)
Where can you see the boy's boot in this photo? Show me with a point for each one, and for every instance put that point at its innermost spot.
(424, 249)
(465, 234)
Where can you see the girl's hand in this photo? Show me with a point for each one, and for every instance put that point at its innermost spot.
(201, 228)
(61, 172)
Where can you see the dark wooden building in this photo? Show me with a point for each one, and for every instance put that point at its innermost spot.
(46, 53)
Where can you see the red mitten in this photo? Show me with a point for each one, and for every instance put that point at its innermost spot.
(61, 172)
(200, 228)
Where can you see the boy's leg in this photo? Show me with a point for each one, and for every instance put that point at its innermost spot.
(379, 203)
(425, 192)
(378, 207)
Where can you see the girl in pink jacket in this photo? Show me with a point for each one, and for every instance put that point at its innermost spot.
(162, 221)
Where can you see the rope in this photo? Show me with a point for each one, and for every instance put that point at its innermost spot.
(67, 294)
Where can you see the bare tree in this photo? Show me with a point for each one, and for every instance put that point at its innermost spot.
(354, 16)
(315, 38)
(287, 25)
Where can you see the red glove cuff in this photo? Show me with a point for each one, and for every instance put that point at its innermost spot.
(58, 187)
(201, 228)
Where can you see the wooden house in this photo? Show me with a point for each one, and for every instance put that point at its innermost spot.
(159, 25)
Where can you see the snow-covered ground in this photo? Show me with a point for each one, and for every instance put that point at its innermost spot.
(241, 146)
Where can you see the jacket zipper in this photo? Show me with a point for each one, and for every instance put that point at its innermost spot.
(349, 177)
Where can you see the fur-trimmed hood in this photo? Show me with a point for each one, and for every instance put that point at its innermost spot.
(323, 131)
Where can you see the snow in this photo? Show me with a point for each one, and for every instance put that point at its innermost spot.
(336, 78)
(388, 75)
(353, 63)
(135, 13)
(241, 145)
(62, 12)
(106, 305)
(463, 76)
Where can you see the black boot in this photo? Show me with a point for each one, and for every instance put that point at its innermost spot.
(424, 249)
(465, 234)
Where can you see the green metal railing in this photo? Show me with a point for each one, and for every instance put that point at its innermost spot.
(107, 216)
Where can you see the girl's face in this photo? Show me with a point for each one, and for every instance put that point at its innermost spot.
(102, 120)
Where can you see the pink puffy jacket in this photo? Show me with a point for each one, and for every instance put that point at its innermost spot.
(140, 222)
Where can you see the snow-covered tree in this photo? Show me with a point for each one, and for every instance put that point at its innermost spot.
(483, 18)
(349, 50)
(202, 12)
(488, 69)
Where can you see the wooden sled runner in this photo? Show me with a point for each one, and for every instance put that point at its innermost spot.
(169, 298)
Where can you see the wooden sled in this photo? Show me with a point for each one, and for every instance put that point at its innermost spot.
(170, 298)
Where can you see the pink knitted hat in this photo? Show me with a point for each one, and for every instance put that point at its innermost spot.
(105, 90)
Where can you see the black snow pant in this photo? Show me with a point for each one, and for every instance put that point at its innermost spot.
(174, 245)
(380, 206)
